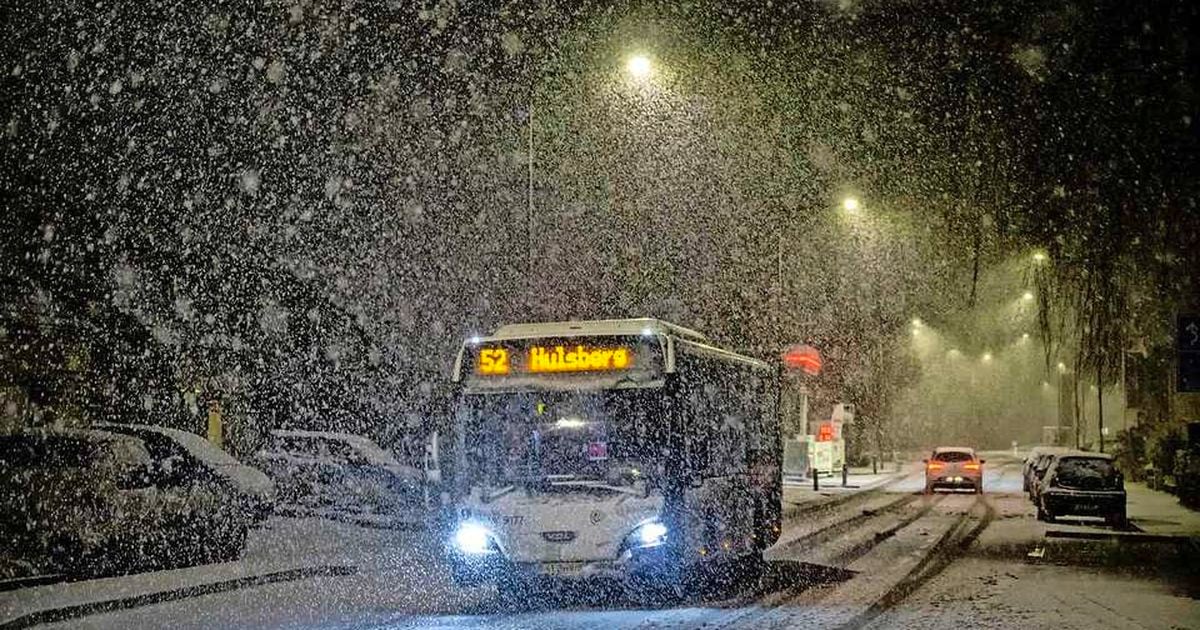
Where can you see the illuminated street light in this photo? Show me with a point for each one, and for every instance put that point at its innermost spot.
(1039, 257)
(987, 357)
(639, 66)
(850, 204)
(1062, 367)
(1025, 336)
(1027, 296)
(916, 321)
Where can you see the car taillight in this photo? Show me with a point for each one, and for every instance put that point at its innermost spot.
(936, 465)
(971, 466)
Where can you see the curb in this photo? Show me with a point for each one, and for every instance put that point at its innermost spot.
(52, 615)
(1120, 537)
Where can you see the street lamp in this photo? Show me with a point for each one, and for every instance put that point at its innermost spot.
(916, 322)
(639, 66)
(1039, 257)
(1028, 296)
(987, 357)
(850, 204)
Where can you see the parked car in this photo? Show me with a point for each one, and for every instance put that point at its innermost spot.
(194, 459)
(316, 469)
(1038, 470)
(953, 467)
(1082, 484)
(87, 502)
(1035, 454)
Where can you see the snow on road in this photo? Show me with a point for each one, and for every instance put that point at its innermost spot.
(401, 582)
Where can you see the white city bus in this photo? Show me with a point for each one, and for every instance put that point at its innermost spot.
(617, 448)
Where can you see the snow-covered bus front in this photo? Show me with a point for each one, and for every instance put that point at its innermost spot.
(617, 448)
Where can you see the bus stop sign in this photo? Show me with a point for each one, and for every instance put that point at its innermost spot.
(1187, 345)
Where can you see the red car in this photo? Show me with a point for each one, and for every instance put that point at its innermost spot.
(953, 467)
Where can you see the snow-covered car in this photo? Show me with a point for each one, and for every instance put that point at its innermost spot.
(953, 467)
(318, 469)
(1082, 484)
(194, 459)
(1037, 472)
(1035, 454)
(92, 502)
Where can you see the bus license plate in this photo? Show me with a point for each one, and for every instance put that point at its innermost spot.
(561, 569)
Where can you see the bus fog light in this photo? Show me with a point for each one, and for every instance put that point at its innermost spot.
(473, 538)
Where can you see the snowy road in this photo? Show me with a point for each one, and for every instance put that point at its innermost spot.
(886, 558)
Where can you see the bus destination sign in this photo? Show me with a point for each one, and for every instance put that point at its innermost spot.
(552, 359)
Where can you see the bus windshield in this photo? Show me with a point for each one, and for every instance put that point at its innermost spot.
(562, 438)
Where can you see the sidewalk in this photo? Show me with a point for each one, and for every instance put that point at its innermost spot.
(1156, 512)
(799, 495)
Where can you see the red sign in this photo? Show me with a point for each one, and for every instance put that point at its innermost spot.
(597, 451)
(804, 358)
(825, 432)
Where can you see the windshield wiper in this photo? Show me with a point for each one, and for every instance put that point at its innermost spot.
(600, 485)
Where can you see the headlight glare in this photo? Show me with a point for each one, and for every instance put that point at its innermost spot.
(473, 538)
(650, 534)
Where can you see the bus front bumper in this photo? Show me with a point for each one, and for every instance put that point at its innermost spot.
(652, 563)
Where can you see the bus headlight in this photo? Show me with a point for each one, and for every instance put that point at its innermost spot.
(474, 539)
(648, 534)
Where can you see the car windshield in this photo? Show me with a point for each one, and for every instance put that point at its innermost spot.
(592, 313)
(1087, 474)
(610, 436)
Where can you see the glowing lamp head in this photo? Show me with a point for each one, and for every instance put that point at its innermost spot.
(850, 204)
(639, 66)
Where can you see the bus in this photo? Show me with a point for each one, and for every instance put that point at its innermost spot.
(630, 449)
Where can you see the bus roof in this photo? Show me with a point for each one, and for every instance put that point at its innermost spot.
(598, 327)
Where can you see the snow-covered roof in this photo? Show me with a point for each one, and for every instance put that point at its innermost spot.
(196, 446)
(248, 478)
(616, 327)
(953, 449)
(366, 446)
(1087, 454)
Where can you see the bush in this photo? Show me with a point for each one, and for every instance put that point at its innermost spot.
(1162, 451)
(1130, 453)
